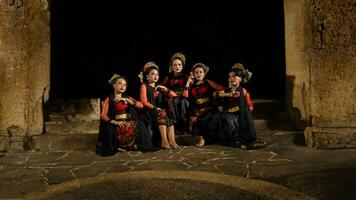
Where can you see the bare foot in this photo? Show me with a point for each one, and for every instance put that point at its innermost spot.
(165, 146)
(121, 150)
(174, 145)
(201, 142)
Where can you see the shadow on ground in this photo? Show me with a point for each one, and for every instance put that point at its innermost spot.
(335, 183)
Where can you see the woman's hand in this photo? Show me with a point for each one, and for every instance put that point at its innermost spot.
(128, 101)
(162, 88)
(122, 124)
(117, 99)
(119, 123)
(229, 94)
(190, 80)
(125, 100)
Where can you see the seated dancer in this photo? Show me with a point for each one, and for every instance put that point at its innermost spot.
(151, 96)
(200, 92)
(120, 129)
(176, 81)
(236, 125)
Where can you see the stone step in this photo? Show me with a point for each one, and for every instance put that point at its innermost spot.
(77, 117)
(268, 109)
(74, 110)
(82, 141)
(72, 127)
(267, 125)
(61, 142)
(74, 124)
(73, 135)
(92, 127)
(186, 139)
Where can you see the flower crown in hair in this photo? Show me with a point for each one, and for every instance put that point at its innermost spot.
(145, 70)
(113, 78)
(148, 65)
(246, 75)
(140, 76)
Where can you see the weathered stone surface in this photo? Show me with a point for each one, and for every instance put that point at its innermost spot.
(57, 142)
(12, 69)
(16, 145)
(297, 68)
(4, 143)
(326, 180)
(75, 110)
(237, 169)
(320, 65)
(330, 138)
(16, 183)
(164, 164)
(151, 188)
(97, 169)
(24, 64)
(283, 162)
(59, 175)
(37, 159)
(37, 60)
(72, 127)
(15, 190)
(332, 58)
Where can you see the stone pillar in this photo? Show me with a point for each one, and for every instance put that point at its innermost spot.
(297, 66)
(332, 75)
(24, 70)
(321, 64)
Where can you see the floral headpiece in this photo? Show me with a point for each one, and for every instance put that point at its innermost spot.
(201, 65)
(146, 69)
(113, 79)
(240, 70)
(149, 65)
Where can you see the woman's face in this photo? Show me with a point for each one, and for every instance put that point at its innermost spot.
(234, 80)
(153, 76)
(199, 73)
(177, 65)
(120, 85)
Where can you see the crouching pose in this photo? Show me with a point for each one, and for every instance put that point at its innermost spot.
(120, 129)
(201, 101)
(236, 125)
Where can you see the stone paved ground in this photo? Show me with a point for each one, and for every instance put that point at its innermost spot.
(324, 174)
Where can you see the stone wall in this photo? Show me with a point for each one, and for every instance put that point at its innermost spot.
(332, 59)
(321, 64)
(333, 74)
(24, 70)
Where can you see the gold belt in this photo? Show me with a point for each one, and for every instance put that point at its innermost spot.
(233, 109)
(202, 100)
(122, 116)
(179, 93)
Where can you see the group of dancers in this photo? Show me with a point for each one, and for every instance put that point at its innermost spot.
(182, 103)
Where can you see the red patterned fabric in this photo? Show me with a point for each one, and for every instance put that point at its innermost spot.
(120, 106)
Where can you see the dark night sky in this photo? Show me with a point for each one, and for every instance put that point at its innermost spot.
(91, 40)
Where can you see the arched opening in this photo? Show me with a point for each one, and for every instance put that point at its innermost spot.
(91, 40)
